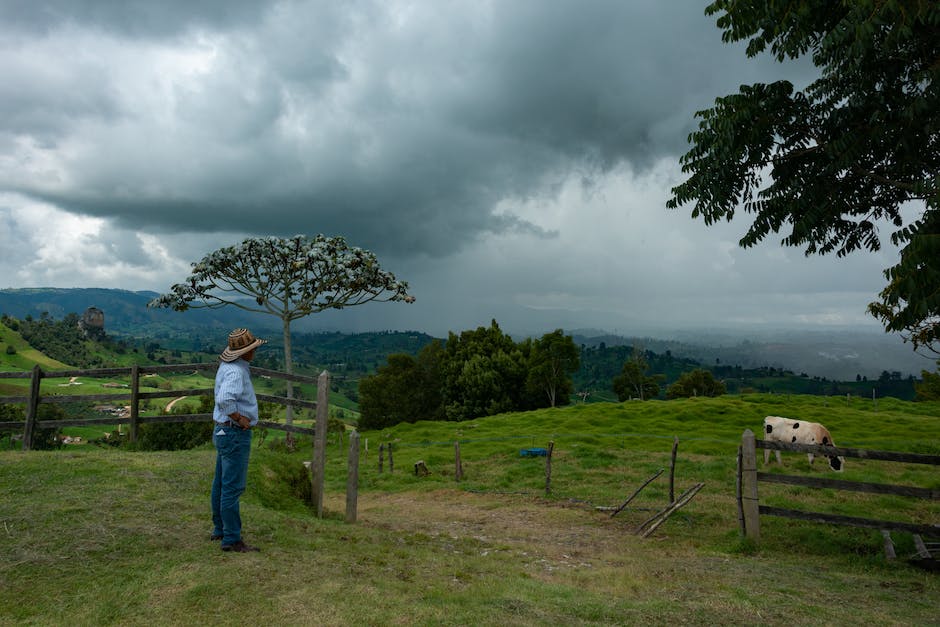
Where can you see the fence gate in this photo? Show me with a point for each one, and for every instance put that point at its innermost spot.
(750, 509)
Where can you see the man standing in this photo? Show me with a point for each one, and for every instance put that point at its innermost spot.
(236, 412)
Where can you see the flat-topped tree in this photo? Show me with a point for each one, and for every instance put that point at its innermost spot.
(286, 277)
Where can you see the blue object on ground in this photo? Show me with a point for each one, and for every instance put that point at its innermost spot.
(533, 452)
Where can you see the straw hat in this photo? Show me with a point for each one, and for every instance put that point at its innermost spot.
(240, 341)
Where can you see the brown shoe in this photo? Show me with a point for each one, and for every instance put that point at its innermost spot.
(239, 547)
(215, 537)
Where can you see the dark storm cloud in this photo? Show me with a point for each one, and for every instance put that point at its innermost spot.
(401, 126)
(134, 18)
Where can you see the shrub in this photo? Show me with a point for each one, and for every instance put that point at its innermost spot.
(177, 436)
(174, 436)
(46, 438)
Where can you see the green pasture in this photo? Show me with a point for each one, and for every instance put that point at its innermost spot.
(110, 536)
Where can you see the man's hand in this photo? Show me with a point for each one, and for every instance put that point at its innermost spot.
(242, 421)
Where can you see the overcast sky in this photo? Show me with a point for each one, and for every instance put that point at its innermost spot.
(510, 159)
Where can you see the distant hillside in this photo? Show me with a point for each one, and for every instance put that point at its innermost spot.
(125, 312)
(16, 354)
(836, 355)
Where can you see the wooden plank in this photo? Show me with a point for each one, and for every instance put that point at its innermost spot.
(88, 372)
(210, 367)
(282, 400)
(660, 517)
(887, 456)
(156, 369)
(352, 478)
(548, 469)
(318, 465)
(14, 399)
(921, 548)
(79, 398)
(889, 545)
(852, 521)
(175, 393)
(276, 374)
(279, 426)
(19, 374)
(853, 486)
(749, 500)
(672, 470)
(737, 493)
(637, 491)
(135, 401)
(31, 408)
(174, 418)
(80, 422)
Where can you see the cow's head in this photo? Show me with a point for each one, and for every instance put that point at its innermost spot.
(837, 463)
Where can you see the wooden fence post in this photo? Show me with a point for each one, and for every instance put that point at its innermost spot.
(749, 501)
(352, 478)
(319, 441)
(31, 408)
(548, 469)
(391, 460)
(381, 458)
(458, 466)
(135, 401)
(672, 470)
(737, 493)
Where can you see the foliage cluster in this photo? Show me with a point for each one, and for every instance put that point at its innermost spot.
(633, 380)
(836, 161)
(289, 278)
(62, 339)
(43, 439)
(929, 387)
(480, 372)
(698, 382)
(172, 436)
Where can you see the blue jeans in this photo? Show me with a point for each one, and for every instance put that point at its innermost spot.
(233, 446)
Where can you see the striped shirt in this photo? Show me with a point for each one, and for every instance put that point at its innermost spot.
(234, 392)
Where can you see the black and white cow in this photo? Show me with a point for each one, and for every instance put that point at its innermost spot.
(778, 429)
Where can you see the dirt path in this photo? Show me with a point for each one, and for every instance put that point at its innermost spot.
(552, 536)
(170, 405)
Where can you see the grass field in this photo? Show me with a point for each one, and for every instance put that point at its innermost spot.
(106, 536)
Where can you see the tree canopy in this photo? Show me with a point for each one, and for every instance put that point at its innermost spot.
(854, 151)
(406, 389)
(552, 360)
(633, 382)
(286, 277)
(479, 372)
(698, 382)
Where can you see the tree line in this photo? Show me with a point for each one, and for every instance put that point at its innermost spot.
(479, 372)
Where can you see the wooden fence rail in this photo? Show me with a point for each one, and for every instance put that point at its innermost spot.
(750, 509)
(133, 397)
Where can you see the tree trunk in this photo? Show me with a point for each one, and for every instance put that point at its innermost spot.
(289, 369)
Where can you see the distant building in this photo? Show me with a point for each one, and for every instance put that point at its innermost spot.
(92, 322)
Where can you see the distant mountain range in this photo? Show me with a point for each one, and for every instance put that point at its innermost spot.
(838, 355)
(125, 312)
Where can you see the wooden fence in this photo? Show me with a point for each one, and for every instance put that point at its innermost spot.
(134, 396)
(750, 509)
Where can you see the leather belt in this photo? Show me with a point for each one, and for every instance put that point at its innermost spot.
(229, 423)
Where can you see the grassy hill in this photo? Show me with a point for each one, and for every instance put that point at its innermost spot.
(492, 549)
